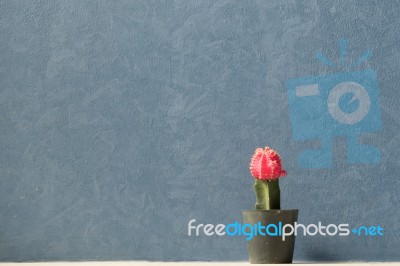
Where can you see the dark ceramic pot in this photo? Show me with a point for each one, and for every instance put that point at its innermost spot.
(263, 249)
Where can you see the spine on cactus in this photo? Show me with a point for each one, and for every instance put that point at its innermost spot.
(266, 168)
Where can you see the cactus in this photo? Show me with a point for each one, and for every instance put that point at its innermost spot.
(265, 167)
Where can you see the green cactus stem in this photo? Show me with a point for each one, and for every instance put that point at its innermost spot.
(267, 194)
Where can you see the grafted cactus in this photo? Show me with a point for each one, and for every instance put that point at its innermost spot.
(265, 167)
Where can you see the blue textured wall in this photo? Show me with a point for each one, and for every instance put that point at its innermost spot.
(121, 121)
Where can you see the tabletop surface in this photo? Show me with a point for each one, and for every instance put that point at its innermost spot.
(149, 263)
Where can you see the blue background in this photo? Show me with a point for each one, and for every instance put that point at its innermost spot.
(121, 121)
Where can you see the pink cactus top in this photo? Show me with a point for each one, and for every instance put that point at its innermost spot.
(266, 164)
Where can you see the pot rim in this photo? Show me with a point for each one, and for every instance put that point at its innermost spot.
(271, 211)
